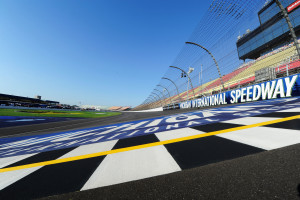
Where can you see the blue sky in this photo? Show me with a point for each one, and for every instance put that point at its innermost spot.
(97, 52)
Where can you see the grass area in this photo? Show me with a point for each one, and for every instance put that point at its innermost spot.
(55, 113)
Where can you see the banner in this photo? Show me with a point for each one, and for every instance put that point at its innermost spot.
(278, 88)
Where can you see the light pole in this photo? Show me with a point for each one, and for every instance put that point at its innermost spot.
(158, 99)
(163, 96)
(187, 91)
(187, 76)
(173, 84)
(212, 58)
(167, 91)
(155, 99)
(201, 79)
(148, 102)
(288, 21)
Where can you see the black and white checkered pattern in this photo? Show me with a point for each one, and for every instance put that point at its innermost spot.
(147, 162)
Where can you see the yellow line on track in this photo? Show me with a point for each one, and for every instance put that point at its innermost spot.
(63, 160)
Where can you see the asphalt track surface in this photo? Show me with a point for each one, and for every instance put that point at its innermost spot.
(273, 174)
(268, 175)
(10, 121)
(50, 127)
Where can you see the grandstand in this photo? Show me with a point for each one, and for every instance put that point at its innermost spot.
(115, 108)
(119, 108)
(12, 100)
(125, 108)
(268, 46)
(281, 60)
(248, 76)
(286, 69)
(272, 32)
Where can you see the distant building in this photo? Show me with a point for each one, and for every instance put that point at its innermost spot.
(7, 100)
(94, 107)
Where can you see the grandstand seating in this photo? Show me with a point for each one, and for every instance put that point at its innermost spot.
(270, 61)
(279, 71)
(119, 108)
(243, 82)
(248, 76)
(115, 108)
(124, 108)
(225, 78)
(198, 90)
(244, 75)
(291, 66)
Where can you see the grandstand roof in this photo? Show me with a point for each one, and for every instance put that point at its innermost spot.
(25, 99)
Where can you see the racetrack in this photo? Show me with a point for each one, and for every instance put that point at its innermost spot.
(65, 125)
(248, 151)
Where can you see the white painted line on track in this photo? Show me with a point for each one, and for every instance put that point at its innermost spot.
(264, 137)
(8, 178)
(91, 148)
(132, 165)
(250, 120)
(10, 160)
(242, 108)
(291, 110)
(177, 133)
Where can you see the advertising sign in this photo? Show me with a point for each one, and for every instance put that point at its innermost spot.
(293, 6)
(278, 88)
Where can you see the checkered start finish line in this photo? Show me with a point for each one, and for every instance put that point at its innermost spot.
(41, 143)
(164, 145)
